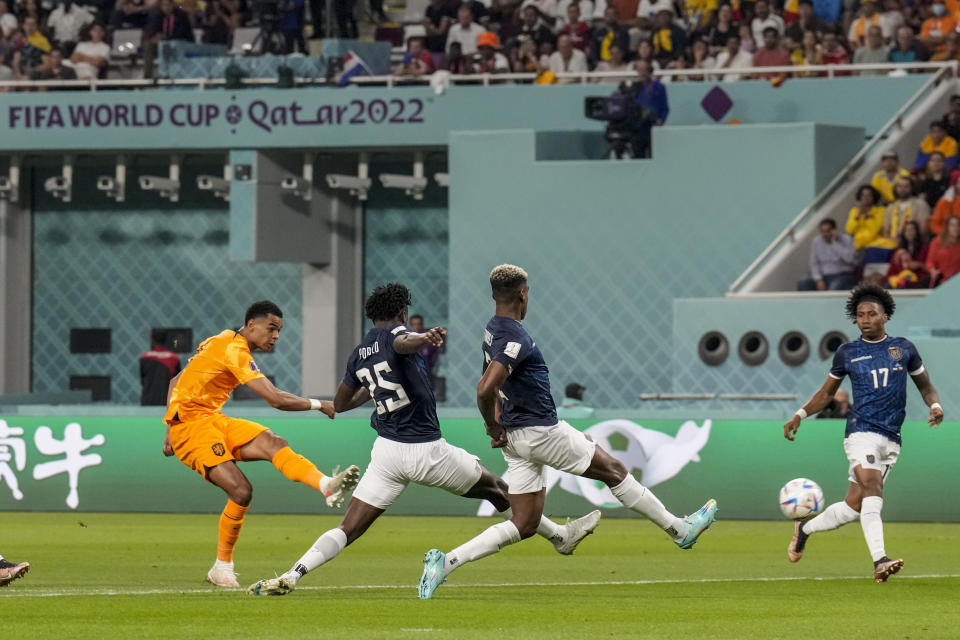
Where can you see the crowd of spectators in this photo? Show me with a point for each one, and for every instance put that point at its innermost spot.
(544, 36)
(904, 228)
(67, 39)
(539, 36)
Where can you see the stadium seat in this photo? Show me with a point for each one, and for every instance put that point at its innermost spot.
(414, 11)
(126, 44)
(413, 31)
(243, 40)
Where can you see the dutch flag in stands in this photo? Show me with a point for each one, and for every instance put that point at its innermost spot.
(353, 65)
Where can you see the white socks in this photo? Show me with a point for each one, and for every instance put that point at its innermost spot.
(870, 509)
(487, 543)
(833, 517)
(221, 563)
(547, 527)
(840, 513)
(636, 497)
(323, 550)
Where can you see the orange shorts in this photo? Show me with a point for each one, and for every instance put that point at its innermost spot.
(206, 442)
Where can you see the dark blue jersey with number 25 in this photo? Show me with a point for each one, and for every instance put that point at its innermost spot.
(878, 372)
(399, 384)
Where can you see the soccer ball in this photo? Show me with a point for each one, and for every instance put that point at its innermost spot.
(801, 498)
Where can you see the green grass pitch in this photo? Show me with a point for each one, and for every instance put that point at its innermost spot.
(141, 576)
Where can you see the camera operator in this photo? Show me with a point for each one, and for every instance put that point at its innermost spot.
(649, 99)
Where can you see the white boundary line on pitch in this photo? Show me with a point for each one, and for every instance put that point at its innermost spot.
(488, 585)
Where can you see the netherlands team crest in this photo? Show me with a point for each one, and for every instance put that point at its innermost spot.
(895, 352)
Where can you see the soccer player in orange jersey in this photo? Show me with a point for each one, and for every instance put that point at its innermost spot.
(211, 443)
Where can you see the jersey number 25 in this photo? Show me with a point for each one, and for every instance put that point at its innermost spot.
(391, 404)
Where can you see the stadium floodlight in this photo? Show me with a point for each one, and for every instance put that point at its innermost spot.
(301, 186)
(10, 183)
(442, 179)
(61, 187)
(168, 188)
(115, 187)
(412, 185)
(357, 185)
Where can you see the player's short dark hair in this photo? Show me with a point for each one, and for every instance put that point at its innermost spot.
(506, 280)
(262, 309)
(870, 293)
(936, 124)
(828, 221)
(387, 301)
(158, 338)
(416, 315)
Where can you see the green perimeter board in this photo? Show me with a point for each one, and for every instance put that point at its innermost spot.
(742, 465)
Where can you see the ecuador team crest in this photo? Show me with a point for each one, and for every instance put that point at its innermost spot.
(895, 352)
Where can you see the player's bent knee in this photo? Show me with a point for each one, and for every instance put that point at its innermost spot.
(276, 442)
(242, 493)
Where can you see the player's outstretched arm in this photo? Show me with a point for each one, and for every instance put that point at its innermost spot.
(287, 401)
(411, 342)
(488, 391)
(930, 396)
(348, 397)
(817, 403)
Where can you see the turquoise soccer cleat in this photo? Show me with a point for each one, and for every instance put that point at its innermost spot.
(432, 573)
(698, 523)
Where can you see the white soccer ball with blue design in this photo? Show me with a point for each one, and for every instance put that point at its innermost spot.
(801, 498)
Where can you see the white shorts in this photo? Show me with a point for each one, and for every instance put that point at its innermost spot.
(530, 449)
(870, 451)
(433, 464)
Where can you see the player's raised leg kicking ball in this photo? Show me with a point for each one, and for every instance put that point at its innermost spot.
(878, 366)
(409, 446)
(520, 417)
(211, 443)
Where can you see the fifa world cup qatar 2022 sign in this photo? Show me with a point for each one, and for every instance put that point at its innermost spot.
(204, 119)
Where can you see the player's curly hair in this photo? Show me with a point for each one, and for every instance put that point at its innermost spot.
(387, 301)
(506, 280)
(870, 293)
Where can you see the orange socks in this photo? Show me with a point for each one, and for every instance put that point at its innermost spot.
(230, 522)
(297, 468)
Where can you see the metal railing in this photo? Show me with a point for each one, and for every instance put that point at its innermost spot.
(708, 75)
(788, 233)
(586, 77)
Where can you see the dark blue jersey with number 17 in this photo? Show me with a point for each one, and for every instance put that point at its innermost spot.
(878, 372)
(526, 393)
(399, 385)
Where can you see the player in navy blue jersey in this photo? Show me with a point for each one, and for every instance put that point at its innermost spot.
(521, 419)
(409, 446)
(878, 366)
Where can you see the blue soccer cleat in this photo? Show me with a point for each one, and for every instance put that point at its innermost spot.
(433, 575)
(697, 523)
